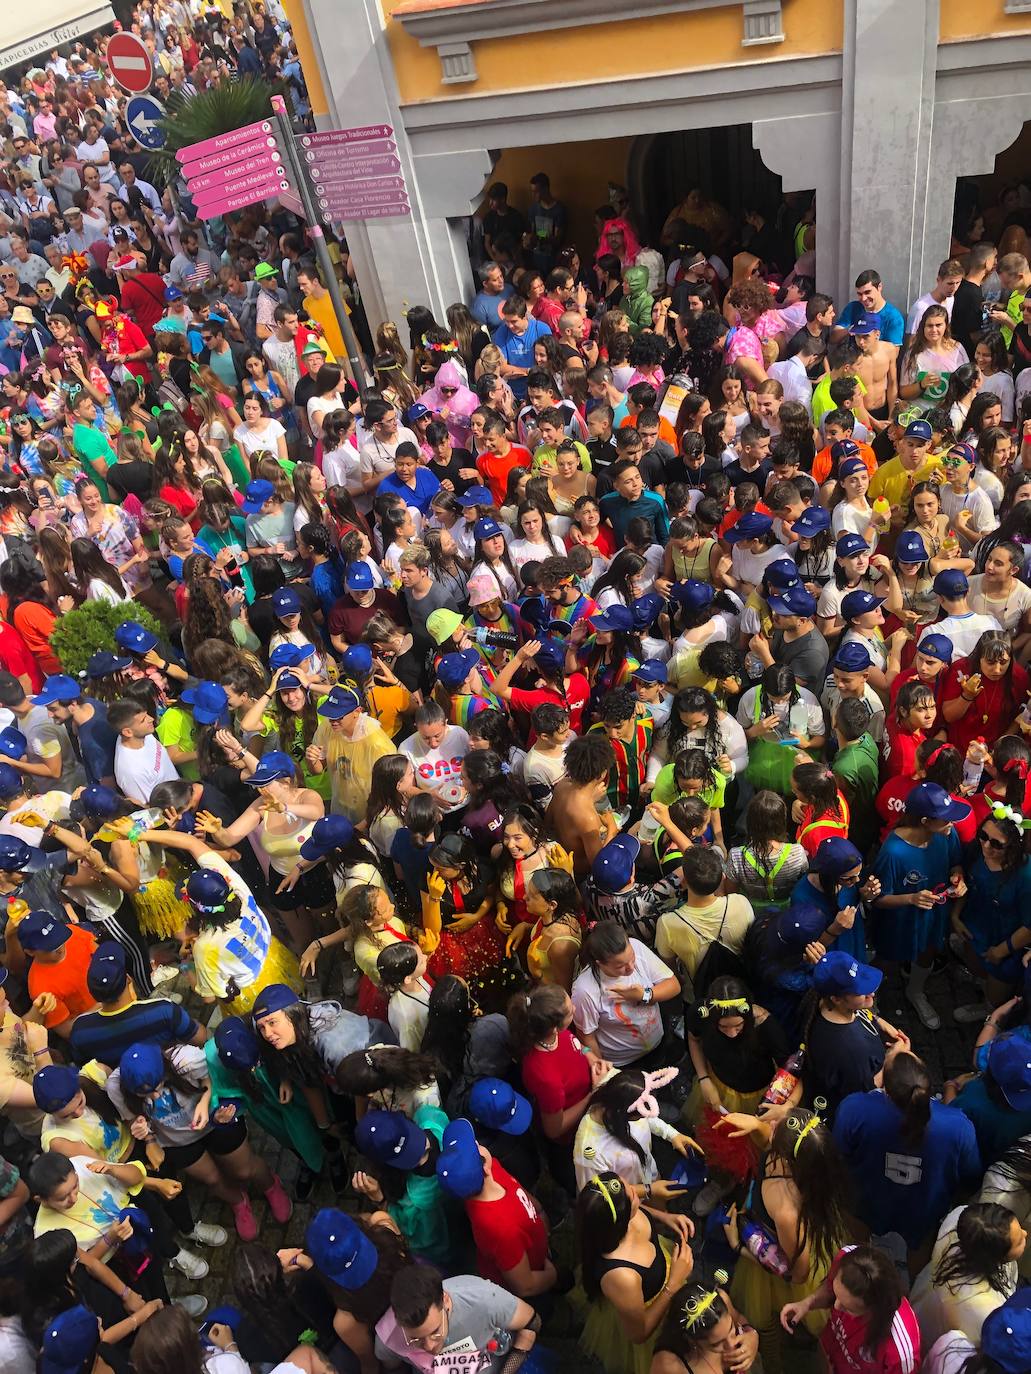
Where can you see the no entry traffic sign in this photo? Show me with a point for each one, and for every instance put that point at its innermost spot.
(129, 63)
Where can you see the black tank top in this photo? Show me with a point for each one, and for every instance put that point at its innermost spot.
(653, 1275)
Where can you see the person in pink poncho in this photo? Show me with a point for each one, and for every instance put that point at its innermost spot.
(451, 400)
(617, 236)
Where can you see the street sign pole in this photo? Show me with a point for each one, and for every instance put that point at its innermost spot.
(315, 230)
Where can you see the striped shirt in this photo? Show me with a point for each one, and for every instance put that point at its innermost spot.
(106, 1035)
(843, 1339)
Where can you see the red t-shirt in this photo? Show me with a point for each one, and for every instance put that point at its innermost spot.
(899, 750)
(507, 1229)
(143, 295)
(182, 500)
(813, 829)
(15, 657)
(844, 1335)
(907, 675)
(133, 340)
(495, 470)
(994, 708)
(892, 797)
(603, 543)
(559, 1078)
(578, 693)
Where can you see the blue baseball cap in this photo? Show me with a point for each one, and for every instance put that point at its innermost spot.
(137, 1245)
(358, 577)
(273, 997)
(837, 973)
(340, 701)
(459, 1164)
(258, 492)
(801, 923)
(793, 601)
(13, 743)
(357, 659)
(693, 595)
(172, 293)
(813, 521)
(645, 609)
(237, 1045)
(936, 646)
(859, 603)
(919, 429)
(209, 702)
(134, 639)
(99, 802)
(930, 801)
(328, 834)
(207, 891)
(1009, 1063)
(496, 1104)
(850, 466)
(618, 619)
(55, 1086)
(835, 856)
(340, 1249)
(391, 1138)
(290, 655)
(951, 583)
(276, 764)
(104, 662)
(613, 865)
(751, 526)
(852, 657)
(285, 600)
(41, 932)
(476, 496)
(486, 528)
(866, 324)
(851, 544)
(11, 782)
(844, 449)
(142, 1067)
(781, 573)
(1006, 1332)
(60, 687)
(416, 411)
(550, 654)
(966, 452)
(652, 670)
(70, 1341)
(288, 681)
(107, 974)
(910, 547)
(453, 669)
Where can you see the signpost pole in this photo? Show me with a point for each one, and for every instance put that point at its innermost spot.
(315, 230)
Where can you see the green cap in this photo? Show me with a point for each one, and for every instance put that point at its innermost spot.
(263, 271)
(312, 346)
(442, 624)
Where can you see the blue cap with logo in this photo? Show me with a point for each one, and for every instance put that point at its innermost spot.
(910, 547)
(550, 655)
(453, 669)
(237, 1044)
(693, 595)
(258, 492)
(40, 931)
(921, 430)
(850, 466)
(951, 583)
(357, 660)
(866, 324)
(930, 801)
(61, 688)
(340, 1249)
(851, 544)
(781, 573)
(793, 601)
(753, 525)
(285, 601)
(844, 449)
(460, 1164)
(100, 803)
(277, 765)
(13, 743)
(476, 496)
(104, 662)
(134, 639)
(613, 865)
(496, 1104)
(209, 702)
(813, 521)
(11, 782)
(838, 974)
(340, 701)
(646, 609)
(142, 1067)
(358, 578)
(852, 657)
(616, 620)
(860, 602)
(390, 1138)
(652, 670)
(486, 528)
(327, 835)
(290, 655)
(273, 997)
(936, 646)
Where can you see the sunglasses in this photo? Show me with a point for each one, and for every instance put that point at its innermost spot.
(953, 462)
(987, 839)
(449, 390)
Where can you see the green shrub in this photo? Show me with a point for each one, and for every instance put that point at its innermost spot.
(79, 634)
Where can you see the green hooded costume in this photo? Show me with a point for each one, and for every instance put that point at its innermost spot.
(637, 303)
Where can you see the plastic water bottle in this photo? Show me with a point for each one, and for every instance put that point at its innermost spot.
(973, 768)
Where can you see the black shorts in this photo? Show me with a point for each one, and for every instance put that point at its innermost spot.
(314, 889)
(221, 1140)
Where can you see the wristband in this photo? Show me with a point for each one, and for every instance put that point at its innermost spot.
(45, 1050)
(703, 1077)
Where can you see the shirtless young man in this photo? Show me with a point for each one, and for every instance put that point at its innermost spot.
(573, 814)
(875, 368)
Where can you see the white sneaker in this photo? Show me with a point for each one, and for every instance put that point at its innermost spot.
(164, 973)
(204, 1233)
(190, 1265)
(193, 1304)
(971, 1013)
(924, 1010)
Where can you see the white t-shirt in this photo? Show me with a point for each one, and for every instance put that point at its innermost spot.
(318, 408)
(138, 771)
(916, 310)
(251, 440)
(846, 519)
(625, 1030)
(440, 770)
(407, 1013)
(949, 1354)
(804, 720)
(963, 631)
(976, 501)
(541, 773)
(1007, 610)
(792, 376)
(1001, 384)
(748, 566)
(342, 467)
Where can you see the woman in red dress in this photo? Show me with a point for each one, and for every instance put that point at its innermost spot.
(983, 694)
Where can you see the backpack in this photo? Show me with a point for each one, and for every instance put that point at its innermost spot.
(717, 962)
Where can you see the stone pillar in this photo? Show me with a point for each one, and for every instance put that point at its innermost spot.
(419, 259)
(888, 89)
(804, 152)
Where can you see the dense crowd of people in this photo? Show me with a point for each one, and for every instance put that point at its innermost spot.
(494, 792)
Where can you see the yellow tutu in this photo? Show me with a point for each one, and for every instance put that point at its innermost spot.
(759, 1295)
(158, 910)
(280, 966)
(731, 1099)
(604, 1338)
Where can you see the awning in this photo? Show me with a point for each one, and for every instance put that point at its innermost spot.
(45, 25)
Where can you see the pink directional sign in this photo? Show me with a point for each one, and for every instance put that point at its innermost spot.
(232, 157)
(225, 205)
(215, 181)
(358, 135)
(230, 189)
(221, 142)
(380, 166)
(373, 212)
(369, 149)
(332, 187)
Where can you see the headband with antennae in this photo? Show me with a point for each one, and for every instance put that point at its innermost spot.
(696, 1308)
(616, 1186)
(811, 1125)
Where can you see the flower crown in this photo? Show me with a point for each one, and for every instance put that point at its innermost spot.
(449, 347)
(1002, 812)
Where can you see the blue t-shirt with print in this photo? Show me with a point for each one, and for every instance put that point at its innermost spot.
(893, 325)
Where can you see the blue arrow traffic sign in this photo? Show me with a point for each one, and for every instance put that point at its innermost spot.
(141, 115)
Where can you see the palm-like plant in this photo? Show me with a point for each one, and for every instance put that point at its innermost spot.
(191, 119)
